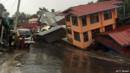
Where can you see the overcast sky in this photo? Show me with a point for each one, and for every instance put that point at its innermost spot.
(31, 6)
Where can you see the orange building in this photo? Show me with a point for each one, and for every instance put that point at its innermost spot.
(84, 22)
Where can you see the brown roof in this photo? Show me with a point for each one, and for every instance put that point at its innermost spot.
(111, 45)
(91, 8)
(120, 35)
(29, 25)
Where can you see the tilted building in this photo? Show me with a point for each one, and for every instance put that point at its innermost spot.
(84, 22)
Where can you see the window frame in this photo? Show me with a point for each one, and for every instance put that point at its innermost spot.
(84, 20)
(74, 20)
(95, 32)
(108, 28)
(107, 14)
(94, 16)
(69, 31)
(85, 36)
(77, 36)
(68, 18)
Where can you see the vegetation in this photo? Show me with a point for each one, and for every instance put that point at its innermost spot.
(127, 7)
(2, 9)
(23, 17)
(124, 10)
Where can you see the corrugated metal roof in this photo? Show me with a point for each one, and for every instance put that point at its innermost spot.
(51, 30)
(51, 35)
(91, 8)
(121, 37)
(110, 45)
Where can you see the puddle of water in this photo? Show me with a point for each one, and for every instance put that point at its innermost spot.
(40, 61)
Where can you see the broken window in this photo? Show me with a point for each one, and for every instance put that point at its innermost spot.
(95, 32)
(85, 34)
(74, 20)
(107, 14)
(108, 28)
(94, 18)
(77, 36)
(84, 20)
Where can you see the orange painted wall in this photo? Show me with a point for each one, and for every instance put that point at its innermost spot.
(101, 25)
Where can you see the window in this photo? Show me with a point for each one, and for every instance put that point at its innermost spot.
(74, 20)
(68, 18)
(95, 32)
(85, 34)
(77, 36)
(94, 18)
(84, 20)
(69, 31)
(108, 28)
(107, 14)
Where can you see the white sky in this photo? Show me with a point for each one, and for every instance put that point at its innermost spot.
(32, 6)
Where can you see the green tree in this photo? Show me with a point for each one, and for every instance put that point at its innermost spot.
(124, 9)
(2, 9)
(127, 7)
(23, 17)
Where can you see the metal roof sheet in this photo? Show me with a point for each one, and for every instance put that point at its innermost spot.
(110, 45)
(121, 37)
(51, 30)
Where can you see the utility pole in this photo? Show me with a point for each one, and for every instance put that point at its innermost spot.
(17, 15)
(2, 32)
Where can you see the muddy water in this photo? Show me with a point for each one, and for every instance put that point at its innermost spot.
(57, 59)
(45, 59)
(41, 60)
(36, 60)
(8, 63)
